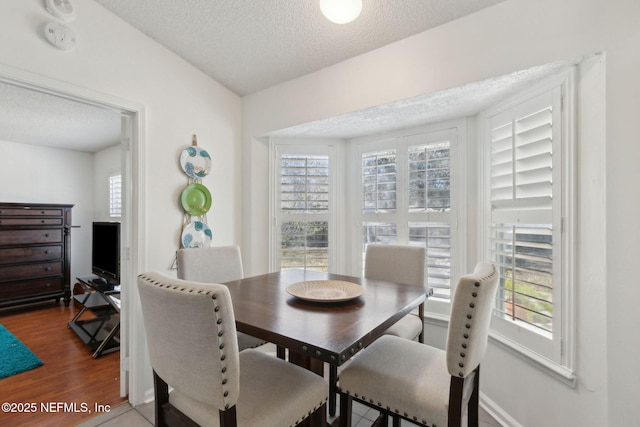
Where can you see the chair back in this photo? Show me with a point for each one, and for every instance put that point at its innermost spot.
(210, 265)
(191, 336)
(470, 318)
(395, 263)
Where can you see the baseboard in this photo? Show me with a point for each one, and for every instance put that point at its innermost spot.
(497, 412)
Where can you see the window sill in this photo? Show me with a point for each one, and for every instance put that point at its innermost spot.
(558, 372)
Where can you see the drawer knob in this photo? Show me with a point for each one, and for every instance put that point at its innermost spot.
(46, 235)
(42, 221)
(42, 212)
(47, 252)
(48, 269)
(48, 285)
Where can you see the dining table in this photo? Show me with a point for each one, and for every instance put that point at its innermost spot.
(320, 317)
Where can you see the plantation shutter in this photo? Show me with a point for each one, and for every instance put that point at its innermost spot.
(523, 233)
(115, 196)
(304, 206)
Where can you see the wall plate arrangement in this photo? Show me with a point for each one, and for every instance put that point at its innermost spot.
(60, 36)
(195, 197)
(62, 9)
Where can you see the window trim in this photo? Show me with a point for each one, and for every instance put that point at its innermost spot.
(458, 216)
(278, 147)
(563, 368)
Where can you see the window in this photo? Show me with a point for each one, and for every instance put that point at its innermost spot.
(303, 208)
(115, 195)
(528, 153)
(407, 198)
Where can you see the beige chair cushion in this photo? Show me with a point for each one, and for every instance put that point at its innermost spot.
(402, 375)
(395, 263)
(216, 264)
(408, 327)
(210, 265)
(273, 393)
(200, 317)
(400, 264)
(471, 310)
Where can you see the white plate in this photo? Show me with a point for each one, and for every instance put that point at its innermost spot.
(195, 162)
(196, 235)
(325, 290)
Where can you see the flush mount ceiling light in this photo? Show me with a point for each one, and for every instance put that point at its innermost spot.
(341, 11)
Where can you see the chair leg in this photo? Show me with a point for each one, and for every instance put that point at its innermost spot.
(333, 383)
(472, 407)
(319, 417)
(280, 352)
(421, 316)
(455, 401)
(345, 410)
(161, 396)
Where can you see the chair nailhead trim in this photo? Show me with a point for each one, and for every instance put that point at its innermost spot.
(216, 309)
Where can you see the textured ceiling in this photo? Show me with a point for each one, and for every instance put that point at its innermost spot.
(32, 117)
(249, 45)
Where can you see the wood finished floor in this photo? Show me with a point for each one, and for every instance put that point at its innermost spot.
(69, 374)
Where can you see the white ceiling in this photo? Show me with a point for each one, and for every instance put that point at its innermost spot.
(249, 45)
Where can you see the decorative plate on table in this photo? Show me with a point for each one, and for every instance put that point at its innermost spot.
(325, 290)
(196, 199)
(197, 235)
(195, 162)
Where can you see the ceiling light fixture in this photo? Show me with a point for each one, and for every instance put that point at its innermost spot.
(341, 11)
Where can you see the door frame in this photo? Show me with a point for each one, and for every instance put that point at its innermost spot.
(132, 356)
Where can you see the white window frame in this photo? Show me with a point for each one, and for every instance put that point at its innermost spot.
(279, 147)
(115, 211)
(557, 355)
(455, 131)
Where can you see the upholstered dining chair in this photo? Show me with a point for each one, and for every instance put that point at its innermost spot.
(193, 348)
(427, 386)
(216, 264)
(399, 264)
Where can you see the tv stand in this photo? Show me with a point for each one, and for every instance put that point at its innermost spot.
(102, 331)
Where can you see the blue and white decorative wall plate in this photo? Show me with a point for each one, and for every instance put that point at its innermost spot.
(196, 235)
(195, 162)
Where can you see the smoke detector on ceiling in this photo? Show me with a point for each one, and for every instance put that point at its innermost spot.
(62, 9)
(60, 36)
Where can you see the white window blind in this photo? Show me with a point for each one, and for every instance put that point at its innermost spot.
(115, 196)
(379, 182)
(304, 211)
(525, 222)
(406, 199)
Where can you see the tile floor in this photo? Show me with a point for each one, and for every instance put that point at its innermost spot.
(142, 416)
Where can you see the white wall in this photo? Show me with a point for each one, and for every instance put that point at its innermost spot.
(511, 36)
(114, 59)
(35, 174)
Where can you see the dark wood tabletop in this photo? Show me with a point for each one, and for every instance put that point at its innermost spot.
(329, 332)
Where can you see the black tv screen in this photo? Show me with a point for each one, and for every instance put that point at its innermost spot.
(105, 251)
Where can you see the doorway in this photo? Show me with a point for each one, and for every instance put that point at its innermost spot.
(130, 123)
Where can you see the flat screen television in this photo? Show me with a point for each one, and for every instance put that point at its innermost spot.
(105, 252)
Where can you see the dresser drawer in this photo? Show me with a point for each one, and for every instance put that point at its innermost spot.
(30, 287)
(26, 211)
(30, 271)
(25, 237)
(29, 253)
(30, 221)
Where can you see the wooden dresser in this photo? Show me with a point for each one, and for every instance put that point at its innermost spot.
(35, 253)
